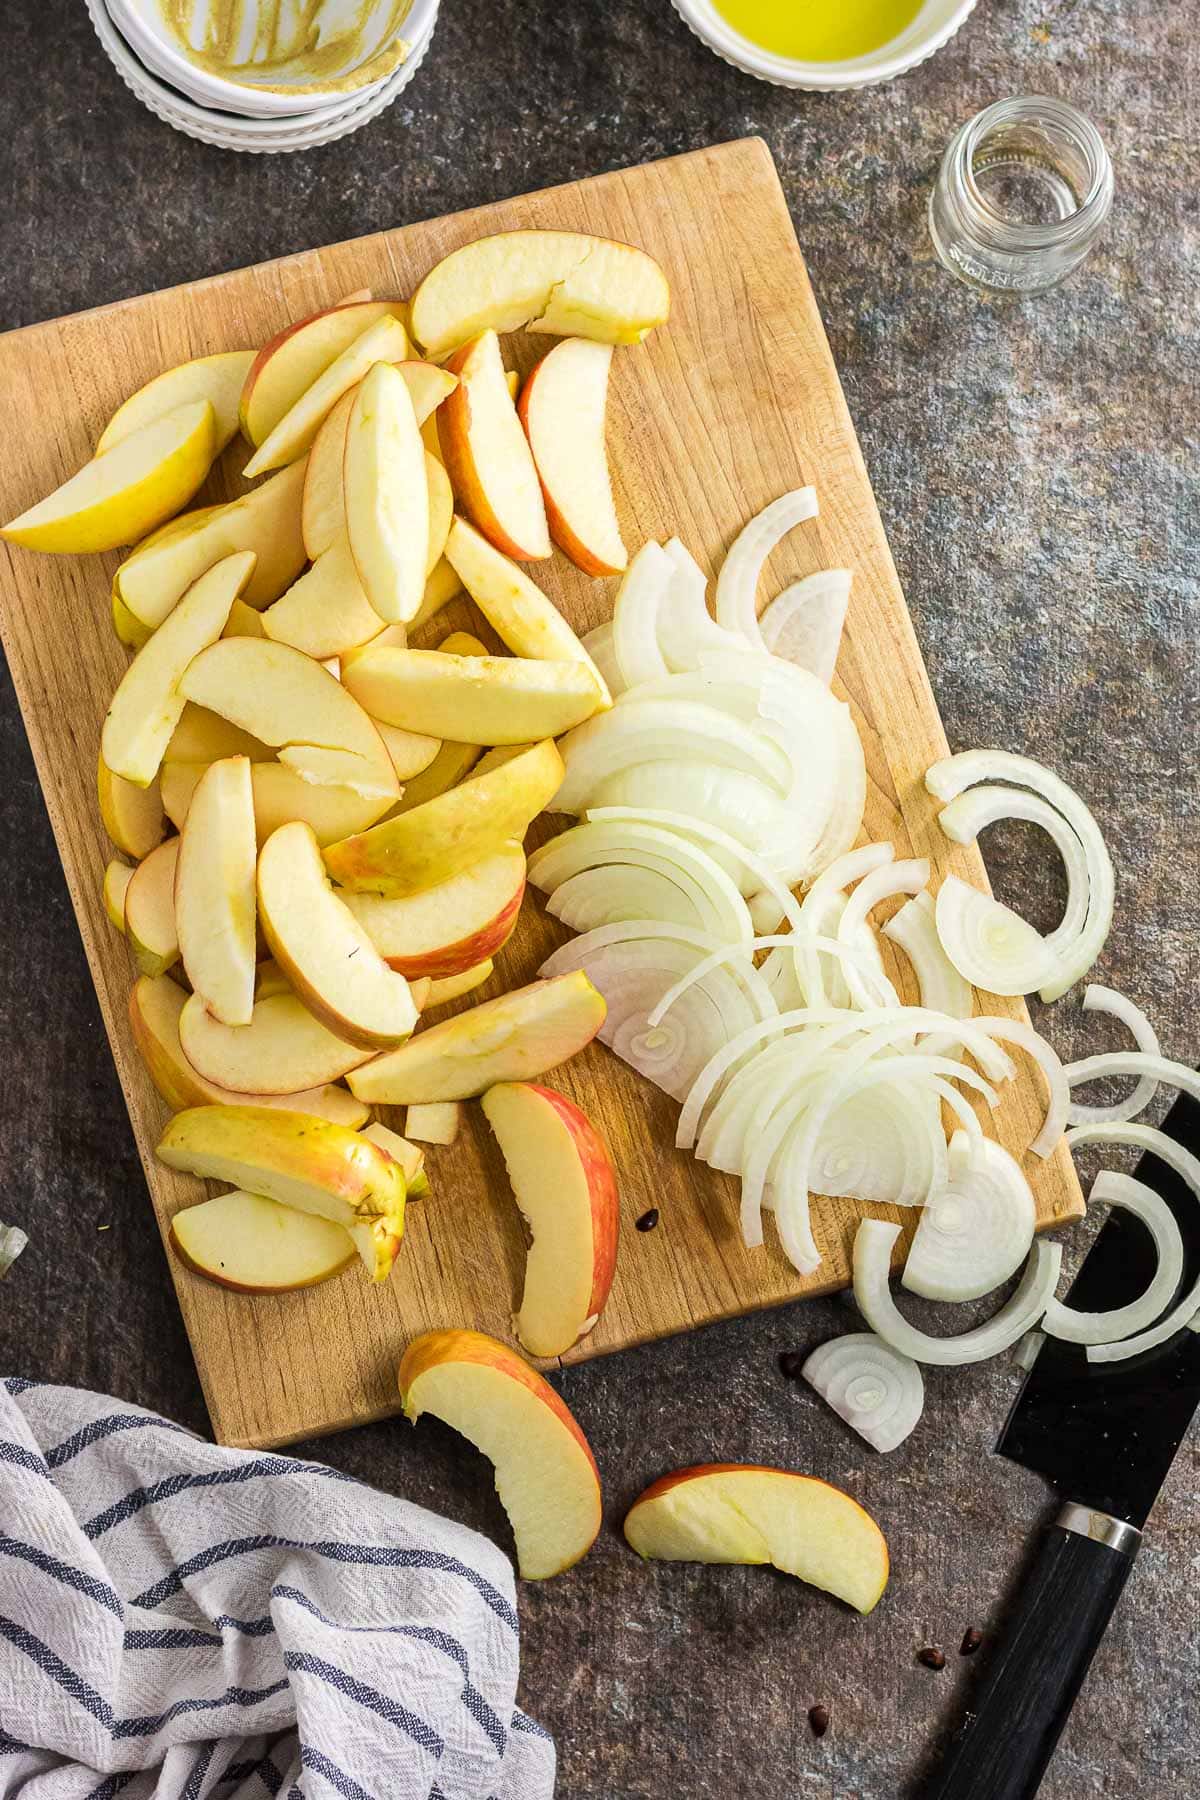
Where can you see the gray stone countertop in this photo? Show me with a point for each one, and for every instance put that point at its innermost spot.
(1036, 469)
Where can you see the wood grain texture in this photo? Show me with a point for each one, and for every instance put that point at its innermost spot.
(734, 402)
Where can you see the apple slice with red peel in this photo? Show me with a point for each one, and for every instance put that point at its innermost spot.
(117, 877)
(387, 496)
(131, 815)
(563, 1181)
(214, 891)
(324, 951)
(484, 699)
(562, 407)
(546, 1475)
(282, 1050)
(450, 927)
(384, 341)
(289, 363)
(150, 911)
(738, 1513)
(487, 456)
(519, 1035)
(255, 1246)
(436, 1124)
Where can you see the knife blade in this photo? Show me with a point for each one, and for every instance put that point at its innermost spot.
(1105, 1436)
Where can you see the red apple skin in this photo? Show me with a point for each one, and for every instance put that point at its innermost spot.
(273, 344)
(454, 436)
(560, 531)
(602, 1191)
(464, 953)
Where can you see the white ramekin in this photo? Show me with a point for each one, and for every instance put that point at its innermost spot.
(934, 25)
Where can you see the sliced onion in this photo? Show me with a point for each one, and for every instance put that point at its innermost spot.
(748, 811)
(881, 884)
(599, 645)
(826, 894)
(804, 624)
(1035, 1046)
(1076, 1327)
(713, 838)
(628, 842)
(727, 952)
(686, 628)
(737, 584)
(635, 615)
(885, 1146)
(658, 731)
(879, 1393)
(976, 1233)
(873, 1244)
(1107, 1000)
(1136, 1062)
(979, 807)
(941, 986)
(989, 944)
(830, 731)
(12, 1241)
(619, 891)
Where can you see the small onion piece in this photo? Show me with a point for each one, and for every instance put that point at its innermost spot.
(635, 616)
(908, 877)
(979, 807)
(873, 1244)
(1107, 1000)
(1075, 1327)
(599, 645)
(737, 584)
(686, 628)
(804, 624)
(1028, 1350)
(990, 945)
(12, 1241)
(941, 986)
(877, 1391)
(815, 914)
(977, 1232)
(1035, 1046)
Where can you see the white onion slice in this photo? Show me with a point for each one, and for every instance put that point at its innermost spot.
(908, 877)
(1136, 1062)
(1076, 1327)
(977, 1231)
(877, 1391)
(990, 945)
(686, 628)
(618, 891)
(873, 1245)
(844, 952)
(712, 837)
(886, 1146)
(599, 645)
(635, 615)
(754, 815)
(979, 807)
(1035, 1046)
(1107, 1000)
(941, 986)
(804, 624)
(737, 584)
(612, 842)
(662, 729)
(12, 1241)
(816, 911)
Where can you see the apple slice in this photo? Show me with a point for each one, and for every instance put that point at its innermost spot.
(205, 737)
(214, 891)
(513, 1038)
(117, 877)
(267, 520)
(484, 699)
(546, 1475)
(437, 1124)
(384, 341)
(451, 765)
(452, 987)
(256, 1246)
(302, 1162)
(563, 1182)
(217, 379)
(280, 796)
(410, 1156)
(156, 1004)
(131, 815)
(130, 630)
(563, 406)
(118, 497)
(738, 1513)
(442, 586)
(451, 927)
(243, 621)
(410, 751)
(441, 513)
(326, 612)
(148, 703)
(150, 911)
(487, 456)
(286, 366)
(283, 1050)
(387, 495)
(323, 950)
(561, 282)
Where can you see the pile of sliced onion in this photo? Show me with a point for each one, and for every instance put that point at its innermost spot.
(12, 1241)
(977, 1231)
(877, 1391)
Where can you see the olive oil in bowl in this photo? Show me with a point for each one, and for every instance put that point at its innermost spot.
(819, 30)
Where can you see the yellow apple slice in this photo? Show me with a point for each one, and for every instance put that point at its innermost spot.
(214, 891)
(148, 703)
(487, 456)
(130, 630)
(117, 877)
(561, 282)
(411, 751)
(410, 1156)
(286, 366)
(267, 520)
(451, 765)
(150, 911)
(442, 587)
(484, 699)
(280, 796)
(243, 621)
(131, 815)
(452, 987)
(323, 950)
(118, 497)
(437, 1124)
(450, 927)
(737, 1513)
(563, 406)
(217, 379)
(256, 1246)
(300, 1161)
(546, 1475)
(520, 1035)
(441, 513)
(383, 342)
(387, 495)
(205, 737)
(156, 1005)
(283, 1050)
(326, 612)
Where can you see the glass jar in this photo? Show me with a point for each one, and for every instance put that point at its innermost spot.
(1023, 193)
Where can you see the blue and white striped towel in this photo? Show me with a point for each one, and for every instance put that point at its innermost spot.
(181, 1621)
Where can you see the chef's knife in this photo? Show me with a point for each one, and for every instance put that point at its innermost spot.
(1105, 1434)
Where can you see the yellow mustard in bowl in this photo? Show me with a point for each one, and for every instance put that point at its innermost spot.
(290, 46)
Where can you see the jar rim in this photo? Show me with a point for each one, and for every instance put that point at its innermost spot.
(1092, 209)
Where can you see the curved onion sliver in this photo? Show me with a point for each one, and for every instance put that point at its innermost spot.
(1107, 1000)
(1076, 1327)
(737, 584)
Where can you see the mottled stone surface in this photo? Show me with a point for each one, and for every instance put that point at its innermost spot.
(1035, 466)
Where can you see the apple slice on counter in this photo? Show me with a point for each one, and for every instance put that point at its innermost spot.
(487, 456)
(117, 877)
(280, 797)
(437, 1124)
(427, 845)
(214, 891)
(325, 612)
(564, 283)
(267, 521)
(452, 927)
(130, 630)
(150, 911)
(255, 1246)
(287, 365)
(387, 496)
(384, 341)
(118, 497)
(441, 513)
(563, 1181)
(283, 1049)
(131, 815)
(452, 987)
(217, 379)
(513, 1038)
(737, 1513)
(452, 764)
(563, 407)
(324, 951)
(300, 1161)
(545, 1472)
(483, 699)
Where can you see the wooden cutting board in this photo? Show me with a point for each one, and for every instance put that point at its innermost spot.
(735, 401)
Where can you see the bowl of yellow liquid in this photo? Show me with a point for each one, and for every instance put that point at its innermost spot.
(823, 45)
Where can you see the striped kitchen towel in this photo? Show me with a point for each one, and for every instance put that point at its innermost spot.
(181, 1621)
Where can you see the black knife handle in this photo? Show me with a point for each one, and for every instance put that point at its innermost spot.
(1049, 1638)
